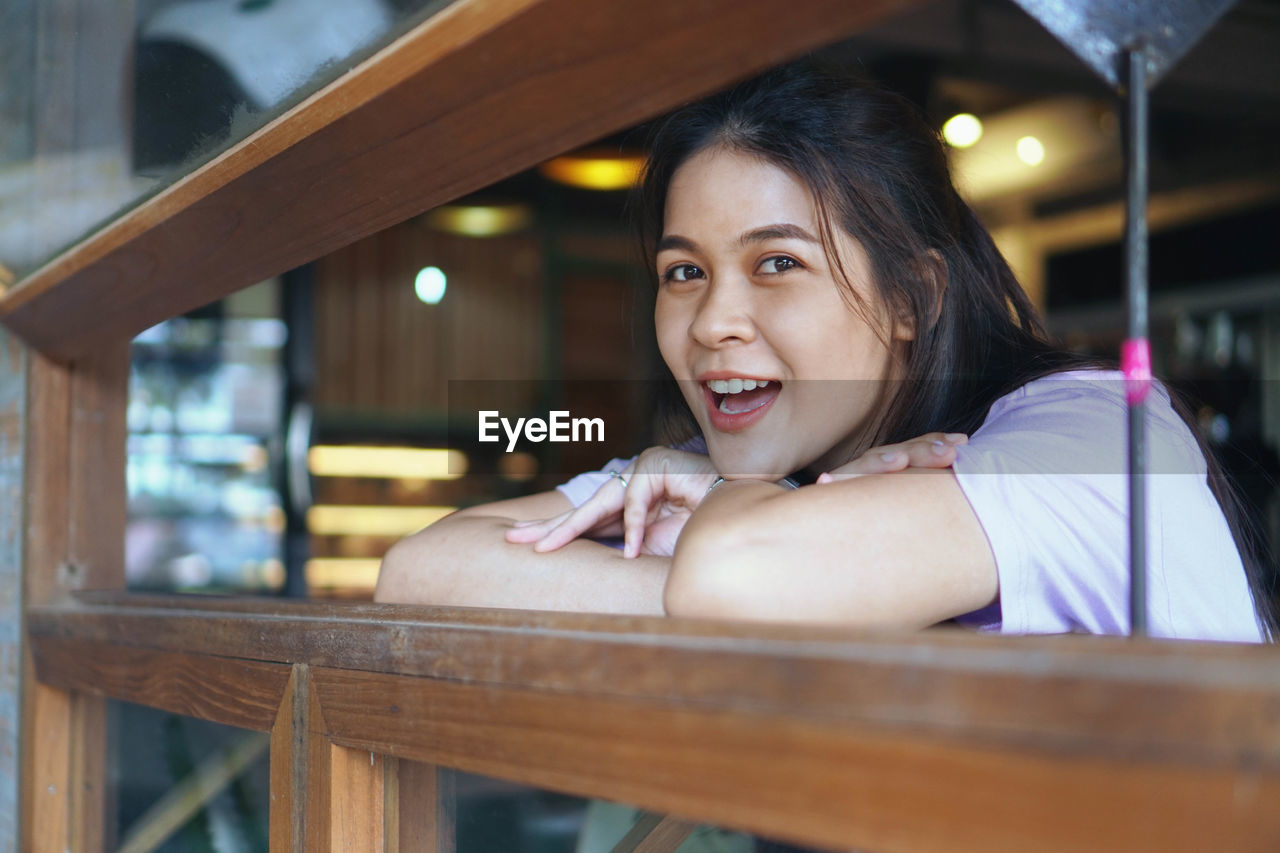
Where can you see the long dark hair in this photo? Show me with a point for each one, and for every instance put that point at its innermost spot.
(879, 172)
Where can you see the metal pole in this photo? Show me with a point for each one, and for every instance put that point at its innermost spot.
(1136, 355)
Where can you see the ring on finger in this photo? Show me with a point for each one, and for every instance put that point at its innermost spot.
(618, 475)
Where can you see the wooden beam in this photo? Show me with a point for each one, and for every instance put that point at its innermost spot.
(827, 782)
(224, 690)
(299, 810)
(481, 90)
(75, 456)
(1203, 701)
(362, 800)
(329, 797)
(816, 736)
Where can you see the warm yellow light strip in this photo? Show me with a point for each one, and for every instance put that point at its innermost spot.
(401, 463)
(344, 572)
(594, 173)
(337, 520)
(473, 220)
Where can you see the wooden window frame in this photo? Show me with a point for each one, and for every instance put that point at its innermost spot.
(935, 740)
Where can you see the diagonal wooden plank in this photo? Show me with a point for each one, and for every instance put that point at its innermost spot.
(169, 813)
(655, 833)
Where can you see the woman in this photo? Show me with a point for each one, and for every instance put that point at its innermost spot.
(823, 291)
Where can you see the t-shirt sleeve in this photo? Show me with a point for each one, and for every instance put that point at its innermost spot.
(1046, 475)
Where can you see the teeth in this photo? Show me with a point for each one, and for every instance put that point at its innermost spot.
(733, 386)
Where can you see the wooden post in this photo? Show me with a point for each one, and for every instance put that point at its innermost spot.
(73, 519)
(327, 797)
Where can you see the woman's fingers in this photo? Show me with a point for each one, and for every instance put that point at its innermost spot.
(532, 531)
(592, 517)
(661, 482)
(932, 450)
(641, 495)
(578, 522)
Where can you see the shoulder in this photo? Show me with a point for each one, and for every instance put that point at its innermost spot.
(1077, 422)
(1047, 477)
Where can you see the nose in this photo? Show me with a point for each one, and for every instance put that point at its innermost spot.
(724, 314)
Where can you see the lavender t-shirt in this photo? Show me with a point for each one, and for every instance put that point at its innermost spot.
(1046, 477)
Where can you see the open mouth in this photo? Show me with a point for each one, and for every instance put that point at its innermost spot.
(739, 396)
(735, 403)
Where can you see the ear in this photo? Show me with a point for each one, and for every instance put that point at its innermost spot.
(929, 278)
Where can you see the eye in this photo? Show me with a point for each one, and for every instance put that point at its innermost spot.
(682, 272)
(778, 264)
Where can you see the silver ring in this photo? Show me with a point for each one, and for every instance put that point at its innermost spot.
(618, 475)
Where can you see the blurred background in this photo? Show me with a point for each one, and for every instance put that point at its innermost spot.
(282, 439)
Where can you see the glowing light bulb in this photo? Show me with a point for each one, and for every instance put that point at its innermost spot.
(1030, 151)
(429, 284)
(962, 130)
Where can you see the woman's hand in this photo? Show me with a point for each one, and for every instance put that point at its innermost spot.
(932, 450)
(648, 503)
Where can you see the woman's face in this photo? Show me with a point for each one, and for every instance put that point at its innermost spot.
(747, 295)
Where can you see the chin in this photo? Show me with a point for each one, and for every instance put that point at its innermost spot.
(734, 463)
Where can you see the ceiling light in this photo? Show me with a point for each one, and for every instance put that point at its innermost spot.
(430, 284)
(480, 220)
(399, 463)
(962, 130)
(595, 171)
(1030, 151)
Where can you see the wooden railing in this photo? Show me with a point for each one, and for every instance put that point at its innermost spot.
(941, 740)
(934, 741)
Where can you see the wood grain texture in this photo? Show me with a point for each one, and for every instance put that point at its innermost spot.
(812, 781)
(425, 808)
(47, 801)
(480, 91)
(75, 419)
(97, 498)
(1203, 702)
(483, 331)
(817, 736)
(299, 770)
(360, 785)
(224, 690)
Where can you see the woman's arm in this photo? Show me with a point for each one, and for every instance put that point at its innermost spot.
(900, 550)
(465, 560)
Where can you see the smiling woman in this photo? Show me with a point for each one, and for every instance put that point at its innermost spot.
(831, 312)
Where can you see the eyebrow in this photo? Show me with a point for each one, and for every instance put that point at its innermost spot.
(778, 231)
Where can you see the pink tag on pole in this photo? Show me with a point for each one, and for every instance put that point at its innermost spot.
(1135, 363)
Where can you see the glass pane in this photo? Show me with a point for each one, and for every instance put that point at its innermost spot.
(184, 785)
(104, 104)
(495, 816)
(205, 412)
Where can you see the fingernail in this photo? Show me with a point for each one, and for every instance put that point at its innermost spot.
(890, 456)
(955, 437)
(824, 478)
(939, 448)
